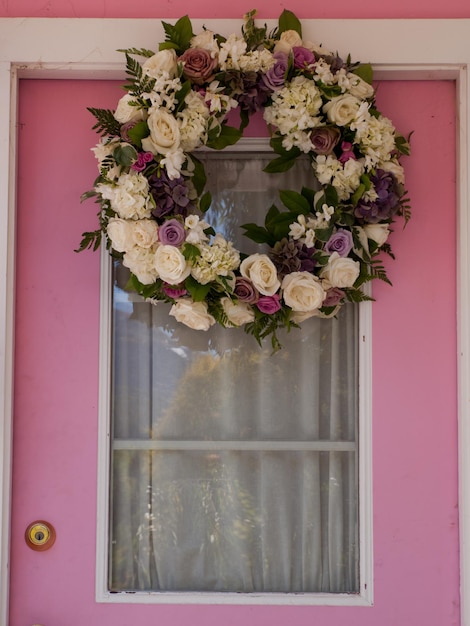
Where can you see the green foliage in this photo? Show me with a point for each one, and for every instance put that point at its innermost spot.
(90, 240)
(289, 21)
(197, 291)
(138, 132)
(125, 155)
(199, 177)
(253, 35)
(106, 124)
(224, 136)
(142, 52)
(364, 71)
(178, 36)
(205, 202)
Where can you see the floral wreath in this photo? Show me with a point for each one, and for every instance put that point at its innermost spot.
(322, 246)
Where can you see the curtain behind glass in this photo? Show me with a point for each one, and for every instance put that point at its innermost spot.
(233, 469)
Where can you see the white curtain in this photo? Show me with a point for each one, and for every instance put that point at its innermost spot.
(233, 469)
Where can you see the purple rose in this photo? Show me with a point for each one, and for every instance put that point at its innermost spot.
(171, 233)
(199, 66)
(333, 297)
(269, 304)
(275, 77)
(303, 57)
(324, 139)
(341, 242)
(174, 292)
(245, 290)
(347, 154)
(142, 160)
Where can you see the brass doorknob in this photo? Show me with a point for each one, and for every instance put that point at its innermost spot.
(40, 535)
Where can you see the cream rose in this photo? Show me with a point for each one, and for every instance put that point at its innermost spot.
(302, 291)
(341, 272)
(171, 265)
(377, 232)
(238, 313)
(162, 61)
(120, 233)
(164, 133)
(262, 272)
(125, 112)
(192, 314)
(288, 40)
(145, 233)
(342, 109)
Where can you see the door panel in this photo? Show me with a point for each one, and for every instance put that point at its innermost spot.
(56, 380)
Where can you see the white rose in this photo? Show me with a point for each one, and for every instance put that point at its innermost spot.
(288, 40)
(359, 88)
(377, 232)
(193, 314)
(128, 113)
(164, 132)
(302, 291)
(140, 261)
(120, 233)
(341, 272)
(162, 61)
(144, 233)
(238, 313)
(262, 272)
(342, 109)
(171, 265)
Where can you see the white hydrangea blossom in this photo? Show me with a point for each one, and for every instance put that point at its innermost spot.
(376, 139)
(295, 109)
(230, 52)
(128, 196)
(348, 179)
(141, 262)
(193, 122)
(256, 61)
(219, 258)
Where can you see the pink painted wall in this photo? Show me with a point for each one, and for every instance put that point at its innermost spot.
(204, 8)
(415, 467)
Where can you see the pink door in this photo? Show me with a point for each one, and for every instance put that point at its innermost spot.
(416, 569)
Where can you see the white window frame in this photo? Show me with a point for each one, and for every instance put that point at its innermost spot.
(364, 443)
(86, 48)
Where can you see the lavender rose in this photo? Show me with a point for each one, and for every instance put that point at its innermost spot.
(269, 304)
(274, 78)
(341, 242)
(333, 297)
(172, 233)
(324, 139)
(303, 57)
(245, 290)
(199, 66)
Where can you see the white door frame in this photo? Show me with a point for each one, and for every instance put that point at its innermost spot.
(87, 48)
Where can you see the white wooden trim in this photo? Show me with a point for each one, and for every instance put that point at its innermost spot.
(86, 48)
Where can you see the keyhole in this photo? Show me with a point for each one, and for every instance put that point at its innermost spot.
(39, 536)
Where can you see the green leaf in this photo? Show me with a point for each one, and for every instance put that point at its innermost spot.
(228, 136)
(199, 178)
(323, 234)
(190, 252)
(309, 194)
(357, 195)
(205, 202)
(182, 93)
(180, 34)
(329, 197)
(90, 239)
(106, 124)
(138, 132)
(402, 145)
(271, 215)
(364, 71)
(143, 52)
(256, 233)
(168, 45)
(125, 155)
(197, 291)
(281, 164)
(88, 194)
(289, 21)
(295, 202)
